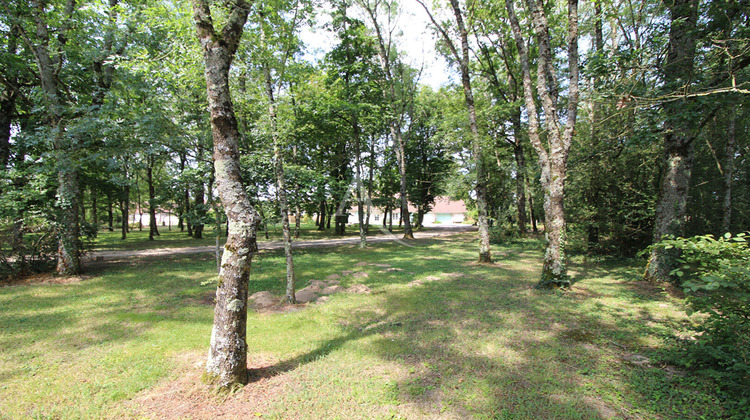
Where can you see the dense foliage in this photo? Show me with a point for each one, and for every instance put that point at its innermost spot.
(715, 274)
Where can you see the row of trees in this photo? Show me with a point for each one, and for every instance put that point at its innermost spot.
(615, 123)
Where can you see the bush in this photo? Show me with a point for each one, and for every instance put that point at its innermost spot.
(502, 233)
(36, 253)
(715, 274)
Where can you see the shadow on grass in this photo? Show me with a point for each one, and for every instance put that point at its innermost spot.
(484, 344)
(480, 343)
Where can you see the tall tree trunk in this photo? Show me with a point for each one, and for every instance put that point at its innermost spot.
(110, 215)
(481, 186)
(139, 202)
(153, 230)
(386, 61)
(297, 210)
(16, 241)
(592, 196)
(199, 205)
(359, 186)
(671, 209)
(188, 220)
(520, 174)
(183, 209)
(532, 214)
(125, 210)
(726, 220)
(280, 188)
(94, 211)
(401, 156)
(369, 183)
(68, 194)
(331, 210)
(217, 220)
(322, 216)
(227, 358)
(200, 211)
(462, 58)
(552, 162)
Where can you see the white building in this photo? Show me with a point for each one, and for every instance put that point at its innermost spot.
(444, 211)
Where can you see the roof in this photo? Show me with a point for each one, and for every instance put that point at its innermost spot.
(444, 205)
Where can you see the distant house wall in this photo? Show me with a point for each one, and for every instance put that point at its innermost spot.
(444, 211)
(162, 219)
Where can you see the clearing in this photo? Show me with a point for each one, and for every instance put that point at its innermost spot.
(438, 336)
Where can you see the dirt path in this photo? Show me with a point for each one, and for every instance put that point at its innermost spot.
(100, 256)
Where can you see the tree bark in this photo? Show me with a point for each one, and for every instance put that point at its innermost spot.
(331, 211)
(520, 174)
(359, 186)
(125, 210)
(462, 58)
(227, 358)
(152, 228)
(532, 215)
(68, 194)
(671, 209)
(395, 126)
(322, 216)
(110, 215)
(139, 202)
(281, 189)
(199, 205)
(369, 183)
(726, 220)
(297, 210)
(552, 162)
(184, 207)
(481, 186)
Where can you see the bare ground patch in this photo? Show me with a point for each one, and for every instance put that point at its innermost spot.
(44, 278)
(187, 397)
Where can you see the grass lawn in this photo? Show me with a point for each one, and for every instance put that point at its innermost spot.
(137, 240)
(444, 338)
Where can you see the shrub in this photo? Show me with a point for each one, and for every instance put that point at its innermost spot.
(36, 253)
(502, 233)
(715, 274)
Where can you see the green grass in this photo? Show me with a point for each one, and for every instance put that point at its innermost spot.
(470, 341)
(138, 240)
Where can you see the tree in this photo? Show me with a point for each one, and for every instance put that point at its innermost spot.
(275, 30)
(553, 159)
(684, 110)
(461, 56)
(69, 248)
(354, 82)
(398, 92)
(227, 358)
(498, 63)
(428, 161)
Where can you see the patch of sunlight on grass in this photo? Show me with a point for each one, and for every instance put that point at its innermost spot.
(443, 338)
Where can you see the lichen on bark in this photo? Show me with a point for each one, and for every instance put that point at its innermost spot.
(226, 366)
